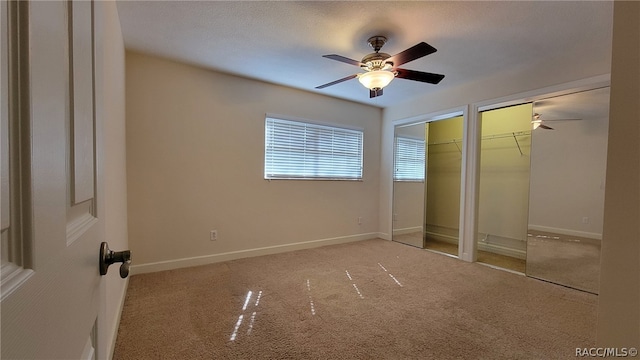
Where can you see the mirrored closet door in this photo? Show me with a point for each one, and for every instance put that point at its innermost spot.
(541, 190)
(566, 201)
(408, 184)
(426, 197)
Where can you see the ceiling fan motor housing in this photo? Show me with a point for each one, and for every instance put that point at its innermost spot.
(376, 61)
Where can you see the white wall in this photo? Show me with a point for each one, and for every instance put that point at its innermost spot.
(619, 299)
(110, 107)
(195, 155)
(568, 166)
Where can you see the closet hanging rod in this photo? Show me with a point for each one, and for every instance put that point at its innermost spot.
(507, 135)
(486, 137)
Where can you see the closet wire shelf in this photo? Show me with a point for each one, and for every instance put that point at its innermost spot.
(513, 134)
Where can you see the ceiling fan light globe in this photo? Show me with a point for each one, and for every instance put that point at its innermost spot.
(376, 79)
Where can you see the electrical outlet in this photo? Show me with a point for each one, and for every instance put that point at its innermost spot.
(359, 220)
(585, 220)
(213, 236)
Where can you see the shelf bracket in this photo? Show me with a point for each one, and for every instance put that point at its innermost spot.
(517, 143)
(458, 146)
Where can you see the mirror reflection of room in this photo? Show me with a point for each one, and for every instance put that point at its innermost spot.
(408, 184)
(568, 169)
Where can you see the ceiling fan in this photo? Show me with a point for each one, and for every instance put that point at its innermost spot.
(381, 68)
(537, 122)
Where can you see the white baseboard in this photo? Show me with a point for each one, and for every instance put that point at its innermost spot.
(504, 246)
(569, 232)
(503, 250)
(408, 230)
(116, 326)
(443, 237)
(214, 258)
(516, 248)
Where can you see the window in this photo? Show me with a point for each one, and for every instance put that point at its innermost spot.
(409, 159)
(301, 150)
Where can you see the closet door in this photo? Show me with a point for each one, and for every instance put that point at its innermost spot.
(566, 202)
(409, 184)
(427, 175)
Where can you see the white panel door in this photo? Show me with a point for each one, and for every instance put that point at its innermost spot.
(51, 231)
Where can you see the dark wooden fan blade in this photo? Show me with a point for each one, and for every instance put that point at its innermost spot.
(412, 53)
(337, 81)
(342, 59)
(545, 127)
(419, 76)
(374, 93)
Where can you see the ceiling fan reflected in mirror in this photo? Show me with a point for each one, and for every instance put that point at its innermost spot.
(381, 68)
(538, 122)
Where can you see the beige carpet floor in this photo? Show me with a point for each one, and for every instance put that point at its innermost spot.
(371, 299)
(562, 259)
(486, 257)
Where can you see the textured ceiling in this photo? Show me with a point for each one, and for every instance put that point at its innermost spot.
(282, 42)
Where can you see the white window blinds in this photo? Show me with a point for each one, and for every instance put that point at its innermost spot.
(409, 159)
(300, 150)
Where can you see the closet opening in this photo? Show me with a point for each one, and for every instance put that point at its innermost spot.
(426, 184)
(541, 187)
